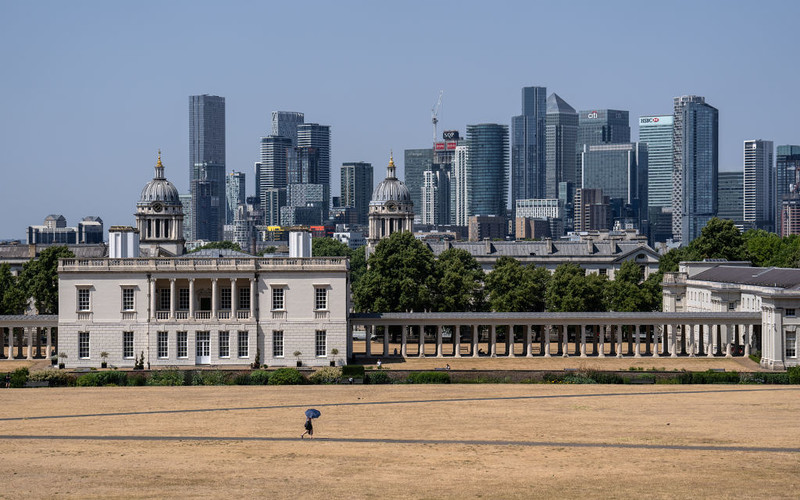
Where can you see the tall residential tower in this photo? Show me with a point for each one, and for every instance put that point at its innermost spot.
(207, 166)
(528, 157)
(759, 185)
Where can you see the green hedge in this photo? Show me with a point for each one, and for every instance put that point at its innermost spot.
(167, 377)
(428, 378)
(709, 377)
(137, 379)
(380, 377)
(101, 379)
(259, 377)
(19, 377)
(56, 378)
(355, 371)
(286, 376)
(326, 375)
(211, 377)
(793, 374)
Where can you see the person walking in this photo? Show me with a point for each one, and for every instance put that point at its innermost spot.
(309, 429)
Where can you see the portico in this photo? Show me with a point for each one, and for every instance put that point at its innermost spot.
(28, 337)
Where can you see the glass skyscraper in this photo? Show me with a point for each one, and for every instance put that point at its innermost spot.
(731, 197)
(561, 136)
(207, 165)
(272, 175)
(759, 184)
(316, 138)
(528, 158)
(656, 132)
(787, 168)
(415, 162)
(235, 194)
(356, 189)
(603, 126)
(695, 148)
(284, 124)
(487, 169)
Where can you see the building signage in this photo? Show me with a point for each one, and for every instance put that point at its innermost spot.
(450, 135)
(451, 145)
(591, 114)
(655, 120)
(439, 146)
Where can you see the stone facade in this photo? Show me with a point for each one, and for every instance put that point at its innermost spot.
(177, 311)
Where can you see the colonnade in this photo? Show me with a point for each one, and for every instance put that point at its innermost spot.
(583, 335)
(233, 312)
(27, 342)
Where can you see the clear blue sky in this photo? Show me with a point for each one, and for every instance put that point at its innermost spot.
(92, 89)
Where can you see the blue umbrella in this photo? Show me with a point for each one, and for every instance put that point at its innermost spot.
(312, 413)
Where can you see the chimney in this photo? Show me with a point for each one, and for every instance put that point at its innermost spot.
(549, 245)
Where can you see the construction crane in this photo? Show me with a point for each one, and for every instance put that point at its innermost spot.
(435, 114)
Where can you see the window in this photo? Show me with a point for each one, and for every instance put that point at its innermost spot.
(225, 298)
(83, 299)
(602, 271)
(183, 299)
(224, 344)
(790, 313)
(163, 299)
(277, 343)
(83, 344)
(127, 299)
(127, 345)
(320, 298)
(731, 306)
(277, 299)
(791, 345)
(183, 345)
(321, 343)
(163, 345)
(244, 347)
(244, 298)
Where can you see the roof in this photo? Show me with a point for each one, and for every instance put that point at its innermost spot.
(540, 248)
(776, 277)
(555, 104)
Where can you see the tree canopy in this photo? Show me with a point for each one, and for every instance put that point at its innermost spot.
(571, 289)
(513, 287)
(39, 278)
(460, 279)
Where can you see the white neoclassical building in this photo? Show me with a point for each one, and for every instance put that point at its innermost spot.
(391, 209)
(730, 287)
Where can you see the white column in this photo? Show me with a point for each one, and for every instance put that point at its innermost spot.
(172, 298)
(619, 341)
(692, 341)
(583, 341)
(602, 331)
(748, 334)
(528, 351)
(368, 329)
(234, 298)
(711, 340)
(10, 342)
(457, 341)
(214, 298)
(191, 298)
(438, 341)
(565, 341)
(510, 341)
(493, 342)
(253, 298)
(637, 353)
(729, 330)
(386, 341)
(672, 332)
(152, 298)
(474, 330)
(29, 334)
(49, 342)
(547, 330)
(421, 341)
(656, 343)
(403, 340)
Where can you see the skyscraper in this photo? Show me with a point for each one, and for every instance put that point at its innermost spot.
(272, 172)
(234, 194)
(460, 188)
(731, 197)
(656, 132)
(695, 148)
(603, 126)
(415, 162)
(787, 167)
(315, 139)
(284, 124)
(356, 188)
(487, 169)
(561, 137)
(759, 184)
(528, 157)
(207, 165)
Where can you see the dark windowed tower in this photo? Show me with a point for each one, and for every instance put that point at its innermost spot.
(528, 146)
(487, 169)
(561, 138)
(207, 165)
(356, 188)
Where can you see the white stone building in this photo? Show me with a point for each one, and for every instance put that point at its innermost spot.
(202, 310)
(723, 286)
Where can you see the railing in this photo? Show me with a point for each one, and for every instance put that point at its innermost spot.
(243, 314)
(181, 314)
(224, 315)
(278, 314)
(162, 315)
(129, 316)
(202, 315)
(321, 314)
(84, 316)
(205, 264)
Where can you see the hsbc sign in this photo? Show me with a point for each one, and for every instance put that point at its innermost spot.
(655, 120)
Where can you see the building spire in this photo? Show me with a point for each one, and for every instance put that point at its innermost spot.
(159, 167)
(390, 170)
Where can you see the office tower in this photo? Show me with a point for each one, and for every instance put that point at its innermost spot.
(695, 160)
(731, 197)
(284, 124)
(620, 171)
(188, 222)
(603, 126)
(656, 132)
(356, 188)
(272, 174)
(459, 186)
(207, 165)
(759, 184)
(561, 135)
(591, 210)
(435, 197)
(443, 159)
(528, 157)
(487, 169)
(234, 194)
(315, 139)
(416, 161)
(787, 164)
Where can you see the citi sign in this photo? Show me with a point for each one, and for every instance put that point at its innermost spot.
(591, 115)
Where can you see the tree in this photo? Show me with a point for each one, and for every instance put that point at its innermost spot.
(266, 250)
(40, 278)
(401, 276)
(218, 245)
(460, 282)
(358, 265)
(12, 292)
(513, 287)
(719, 239)
(626, 292)
(329, 247)
(570, 289)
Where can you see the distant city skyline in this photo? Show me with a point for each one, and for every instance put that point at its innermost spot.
(84, 142)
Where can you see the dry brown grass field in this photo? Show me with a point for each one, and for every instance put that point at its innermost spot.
(402, 441)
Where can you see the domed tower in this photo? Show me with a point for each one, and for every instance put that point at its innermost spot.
(159, 217)
(390, 210)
